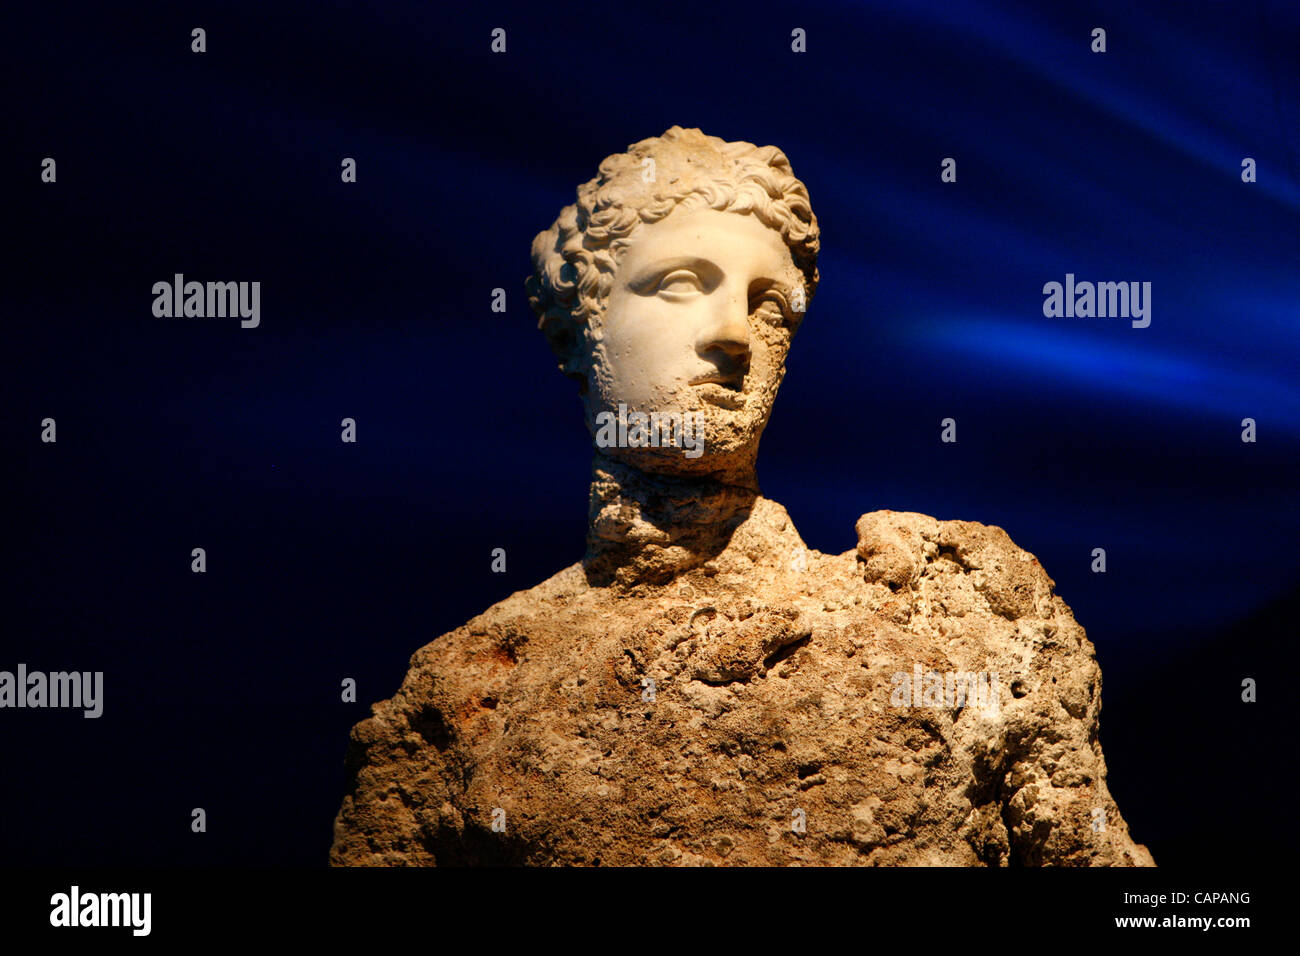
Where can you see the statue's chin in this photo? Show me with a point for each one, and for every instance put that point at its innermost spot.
(684, 463)
(695, 439)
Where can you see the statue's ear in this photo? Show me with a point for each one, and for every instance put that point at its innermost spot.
(566, 345)
(553, 292)
(560, 337)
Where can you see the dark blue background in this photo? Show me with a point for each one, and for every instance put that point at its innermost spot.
(328, 560)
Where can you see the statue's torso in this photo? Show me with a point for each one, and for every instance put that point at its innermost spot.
(753, 712)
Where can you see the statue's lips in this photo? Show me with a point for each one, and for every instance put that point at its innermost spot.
(727, 394)
(734, 381)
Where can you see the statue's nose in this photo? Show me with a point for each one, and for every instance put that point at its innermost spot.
(727, 331)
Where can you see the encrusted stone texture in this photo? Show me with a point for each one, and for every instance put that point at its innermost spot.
(773, 670)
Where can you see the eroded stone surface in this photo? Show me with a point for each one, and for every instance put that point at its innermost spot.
(773, 670)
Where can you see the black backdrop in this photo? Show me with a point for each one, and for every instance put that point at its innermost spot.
(329, 560)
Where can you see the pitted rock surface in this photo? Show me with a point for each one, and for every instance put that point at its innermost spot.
(747, 713)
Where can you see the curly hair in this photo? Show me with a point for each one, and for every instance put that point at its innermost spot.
(574, 261)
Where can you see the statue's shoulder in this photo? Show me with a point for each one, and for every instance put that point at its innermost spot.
(901, 549)
(462, 673)
(502, 630)
(966, 582)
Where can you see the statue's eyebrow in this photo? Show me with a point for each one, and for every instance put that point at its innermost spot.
(644, 280)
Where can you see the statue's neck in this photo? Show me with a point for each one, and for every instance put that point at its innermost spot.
(647, 528)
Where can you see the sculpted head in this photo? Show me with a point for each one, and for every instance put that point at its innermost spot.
(674, 285)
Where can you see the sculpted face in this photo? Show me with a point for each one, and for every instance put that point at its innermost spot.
(698, 321)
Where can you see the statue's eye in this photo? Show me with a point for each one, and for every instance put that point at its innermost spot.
(680, 283)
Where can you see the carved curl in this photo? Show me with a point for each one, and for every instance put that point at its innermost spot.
(574, 261)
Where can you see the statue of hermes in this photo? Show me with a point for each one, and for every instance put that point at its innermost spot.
(702, 687)
(672, 289)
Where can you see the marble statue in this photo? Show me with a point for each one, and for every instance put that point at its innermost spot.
(702, 688)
